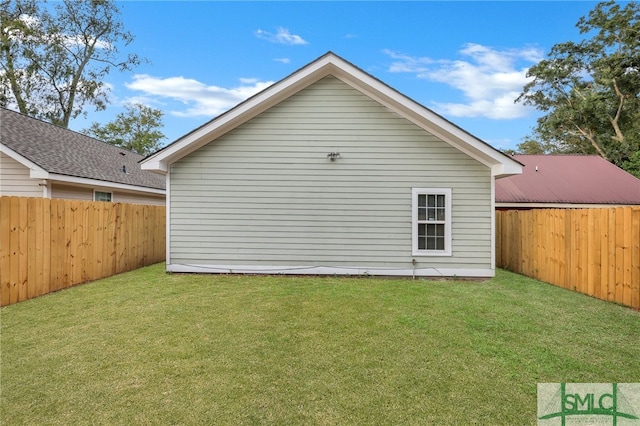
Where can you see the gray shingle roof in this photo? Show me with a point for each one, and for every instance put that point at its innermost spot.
(65, 152)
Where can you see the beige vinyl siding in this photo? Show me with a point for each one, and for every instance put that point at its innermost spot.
(15, 180)
(136, 198)
(71, 192)
(266, 194)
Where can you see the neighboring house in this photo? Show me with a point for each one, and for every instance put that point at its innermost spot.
(564, 181)
(39, 159)
(330, 171)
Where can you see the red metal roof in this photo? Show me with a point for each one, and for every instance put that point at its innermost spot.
(568, 179)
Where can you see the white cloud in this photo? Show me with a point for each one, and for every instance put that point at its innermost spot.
(282, 36)
(406, 63)
(142, 100)
(489, 79)
(283, 60)
(500, 108)
(199, 99)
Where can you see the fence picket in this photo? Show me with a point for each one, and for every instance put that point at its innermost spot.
(32, 263)
(611, 282)
(5, 250)
(635, 254)
(619, 296)
(626, 274)
(604, 254)
(14, 246)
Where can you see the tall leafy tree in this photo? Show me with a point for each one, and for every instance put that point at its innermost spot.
(590, 90)
(54, 59)
(137, 129)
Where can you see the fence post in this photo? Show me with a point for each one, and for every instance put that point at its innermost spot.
(635, 257)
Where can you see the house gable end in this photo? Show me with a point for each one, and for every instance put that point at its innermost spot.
(331, 65)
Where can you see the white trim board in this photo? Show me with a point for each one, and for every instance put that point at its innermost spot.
(415, 251)
(331, 270)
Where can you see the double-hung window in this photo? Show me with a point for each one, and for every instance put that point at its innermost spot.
(431, 221)
(101, 196)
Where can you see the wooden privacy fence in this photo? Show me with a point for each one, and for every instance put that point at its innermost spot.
(593, 251)
(47, 244)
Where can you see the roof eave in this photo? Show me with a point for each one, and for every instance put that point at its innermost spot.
(103, 184)
(506, 169)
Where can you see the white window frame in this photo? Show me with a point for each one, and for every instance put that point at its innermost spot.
(95, 191)
(415, 222)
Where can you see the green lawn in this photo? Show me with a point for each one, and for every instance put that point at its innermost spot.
(149, 348)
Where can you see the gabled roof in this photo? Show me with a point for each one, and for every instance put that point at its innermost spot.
(50, 150)
(568, 179)
(331, 64)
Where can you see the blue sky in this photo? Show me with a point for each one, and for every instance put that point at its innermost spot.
(464, 60)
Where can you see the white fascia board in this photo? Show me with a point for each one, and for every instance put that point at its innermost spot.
(104, 184)
(154, 165)
(332, 270)
(509, 168)
(38, 174)
(168, 219)
(35, 171)
(493, 223)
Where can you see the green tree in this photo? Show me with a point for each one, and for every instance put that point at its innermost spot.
(531, 146)
(590, 89)
(633, 164)
(137, 129)
(54, 59)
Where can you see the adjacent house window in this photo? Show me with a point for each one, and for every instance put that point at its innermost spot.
(431, 219)
(101, 196)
